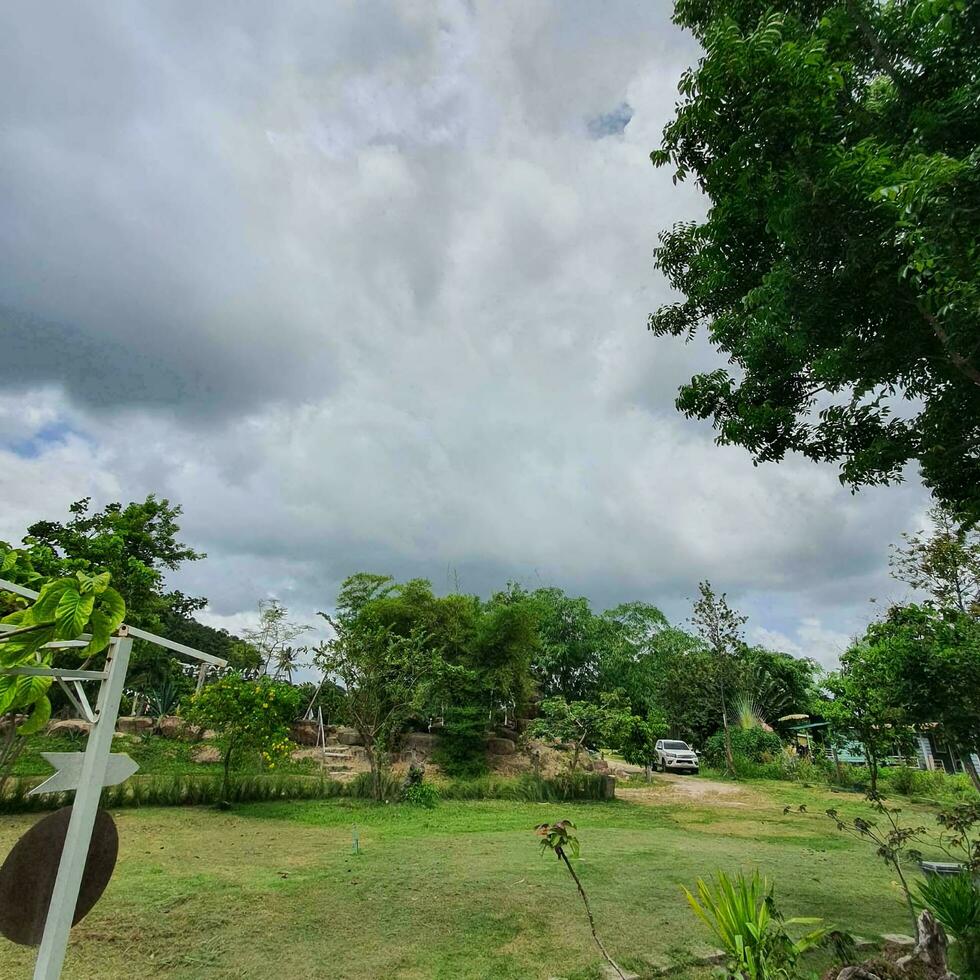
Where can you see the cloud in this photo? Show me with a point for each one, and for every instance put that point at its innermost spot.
(356, 286)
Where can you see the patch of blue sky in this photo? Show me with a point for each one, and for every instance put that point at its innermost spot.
(610, 123)
(38, 442)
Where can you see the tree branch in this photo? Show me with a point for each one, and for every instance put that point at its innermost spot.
(955, 357)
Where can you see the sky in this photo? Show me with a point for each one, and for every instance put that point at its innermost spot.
(363, 286)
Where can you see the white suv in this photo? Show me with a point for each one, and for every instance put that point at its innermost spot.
(670, 754)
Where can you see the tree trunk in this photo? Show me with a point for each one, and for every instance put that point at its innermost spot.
(873, 769)
(581, 891)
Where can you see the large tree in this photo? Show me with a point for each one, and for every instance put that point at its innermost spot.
(838, 269)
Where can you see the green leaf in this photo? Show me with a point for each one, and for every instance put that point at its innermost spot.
(112, 604)
(100, 582)
(45, 609)
(99, 625)
(38, 719)
(8, 692)
(73, 613)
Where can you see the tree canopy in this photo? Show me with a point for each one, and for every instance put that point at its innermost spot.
(838, 268)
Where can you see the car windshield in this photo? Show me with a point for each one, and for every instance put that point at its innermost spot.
(676, 745)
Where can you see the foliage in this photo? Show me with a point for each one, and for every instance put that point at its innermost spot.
(584, 724)
(272, 640)
(248, 716)
(742, 914)
(838, 268)
(930, 669)
(567, 663)
(720, 627)
(955, 901)
(748, 744)
(461, 750)
(387, 675)
(164, 699)
(945, 563)
(64, 610)
(136, 544)
(421, 794)
(864, 706)
(635, 740)
(558, 839)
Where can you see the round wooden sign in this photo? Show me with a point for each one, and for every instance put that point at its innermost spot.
(28, 875)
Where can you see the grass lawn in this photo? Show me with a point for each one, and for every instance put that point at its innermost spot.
(461, 891)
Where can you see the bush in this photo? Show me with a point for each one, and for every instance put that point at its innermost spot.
(461, 751)
(753, 745)
(934, 784)
(422, 795)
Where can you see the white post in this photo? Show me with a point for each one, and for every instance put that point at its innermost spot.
(54, 943)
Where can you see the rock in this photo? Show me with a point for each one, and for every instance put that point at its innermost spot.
(600, 765)
(170, 726)
(418, 746)
(304, 732)
(69, 726)
(134, 724)
(898, 939)
(349, 736)
(206, 753)
(501, 746)
(512, 733)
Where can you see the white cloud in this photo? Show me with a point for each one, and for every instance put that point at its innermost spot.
(354, 285)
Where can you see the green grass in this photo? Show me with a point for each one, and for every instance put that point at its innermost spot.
(461, 891)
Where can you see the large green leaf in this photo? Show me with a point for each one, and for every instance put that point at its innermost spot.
(73, 613)
(38, 719)
(112, 604)
(99, 624)
(21, 649)
(45, 608)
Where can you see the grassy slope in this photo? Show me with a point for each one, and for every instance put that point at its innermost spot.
(461, 891)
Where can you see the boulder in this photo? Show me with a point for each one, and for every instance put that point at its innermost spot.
(170, 726)
(206, 753)
(304, 732)
(349, 736)
(418, 746)
(501, 746)
(134, 724)
(69, 726)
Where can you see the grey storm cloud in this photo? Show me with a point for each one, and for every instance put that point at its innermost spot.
(364, 285)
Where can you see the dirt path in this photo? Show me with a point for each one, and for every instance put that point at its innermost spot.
(672, 788)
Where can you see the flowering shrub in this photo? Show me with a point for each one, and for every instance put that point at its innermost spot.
(247, 716)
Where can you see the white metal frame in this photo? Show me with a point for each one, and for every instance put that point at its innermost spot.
(94, 766)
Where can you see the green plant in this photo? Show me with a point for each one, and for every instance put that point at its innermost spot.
(64, 610)
(421, 794)
(584, 724)
(741, 912)
(164, 699)
(955, 901)
(749, 744)
(558, 839)
(248, 716)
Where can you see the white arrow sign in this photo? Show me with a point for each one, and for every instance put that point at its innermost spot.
(69, 770)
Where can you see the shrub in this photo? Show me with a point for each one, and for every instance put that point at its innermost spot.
(422, 795)
(754, 745)
(461, 751)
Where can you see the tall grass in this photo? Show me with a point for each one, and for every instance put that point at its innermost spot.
(199, 790)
